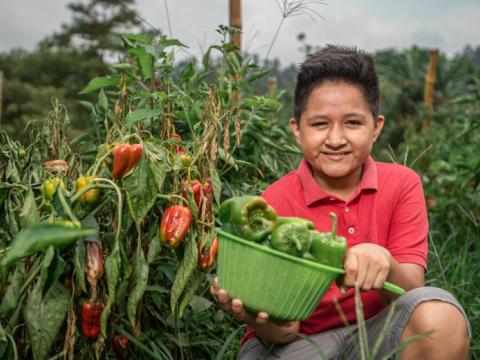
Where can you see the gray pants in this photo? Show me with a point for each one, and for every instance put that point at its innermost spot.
(343, 343)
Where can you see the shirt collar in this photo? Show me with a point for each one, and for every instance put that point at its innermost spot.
(313, 192)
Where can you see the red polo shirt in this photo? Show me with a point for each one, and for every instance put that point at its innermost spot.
(388, 208)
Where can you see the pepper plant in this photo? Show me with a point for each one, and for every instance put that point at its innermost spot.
(84, 271)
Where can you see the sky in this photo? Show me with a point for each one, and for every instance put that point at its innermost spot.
(367, 24)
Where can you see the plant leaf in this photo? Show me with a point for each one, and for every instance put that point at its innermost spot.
(142, 114)
(29, 214)
(39, 238)
(100, 82)
(44, 317)
(141, 190)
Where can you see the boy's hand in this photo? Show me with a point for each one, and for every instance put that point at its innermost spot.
(367, 265)
(270, 330)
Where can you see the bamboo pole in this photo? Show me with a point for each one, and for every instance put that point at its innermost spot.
(236, 21)
(1, 95)
(428, 90)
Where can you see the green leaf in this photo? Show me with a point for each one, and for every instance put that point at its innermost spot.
(217, 186)
(39, 238)
(3, 336)
(140, 281)
(29, 214)
(144, 60)
(257, 75)
(153, 249)
(141, 190)
(44, 317)
(142, 114)
(12, 295)
(194, 283)
(185, 270)
(102, 100)
(112, 272)
(200, 303)
(101, 82)
(79, 264)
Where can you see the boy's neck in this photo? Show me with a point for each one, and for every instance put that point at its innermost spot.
(342, 188)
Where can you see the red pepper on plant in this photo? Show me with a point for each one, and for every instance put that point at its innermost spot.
(197, 188)
(125, 157)
(120, 345)
(206, 261)
(175, 224)
(178, 149)
(90, 318)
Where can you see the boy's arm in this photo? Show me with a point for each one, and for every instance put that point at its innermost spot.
(370, 265)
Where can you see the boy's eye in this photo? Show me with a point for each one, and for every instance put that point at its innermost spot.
(320, 124)
(354, 122)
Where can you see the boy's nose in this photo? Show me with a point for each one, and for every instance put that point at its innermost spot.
(335, 137)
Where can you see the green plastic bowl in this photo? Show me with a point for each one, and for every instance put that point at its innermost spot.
(285, 286)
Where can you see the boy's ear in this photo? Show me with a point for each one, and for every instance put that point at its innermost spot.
(378, 127)
(294, 126)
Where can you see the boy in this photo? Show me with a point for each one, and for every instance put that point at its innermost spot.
(381, 211)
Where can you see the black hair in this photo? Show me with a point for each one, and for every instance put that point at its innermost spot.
(337, 63)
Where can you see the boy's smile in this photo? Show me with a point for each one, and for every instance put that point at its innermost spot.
(336, 133)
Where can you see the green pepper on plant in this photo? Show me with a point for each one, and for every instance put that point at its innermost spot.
(328, 248)
(249, 217)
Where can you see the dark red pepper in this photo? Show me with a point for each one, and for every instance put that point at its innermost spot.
(206, 261)
(178, 149)
(202, 194)
(125, 157)
(175, 224)
(120, 345)
(91, 313)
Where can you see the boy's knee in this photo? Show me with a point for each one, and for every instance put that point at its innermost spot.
(441, 323)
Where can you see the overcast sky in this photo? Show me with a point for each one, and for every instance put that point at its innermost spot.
(368, 24)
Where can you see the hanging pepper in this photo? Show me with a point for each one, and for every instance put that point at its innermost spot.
(178, 149)
(292, 237)
(328, 248)
(91, 196)
(175, 224)
(50, 186)
(125, 157)
(95, 262)
(206, 261)
(56, 166)
(248, 217)
(90, 319)
(120, 345)
(202, 194)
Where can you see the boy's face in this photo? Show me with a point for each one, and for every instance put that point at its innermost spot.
(336, 132)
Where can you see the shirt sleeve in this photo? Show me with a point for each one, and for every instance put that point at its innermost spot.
(408, 231)
(273, 197)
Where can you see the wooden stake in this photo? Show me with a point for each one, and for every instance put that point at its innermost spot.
(1, 95)
(236, 21)
(429, 88)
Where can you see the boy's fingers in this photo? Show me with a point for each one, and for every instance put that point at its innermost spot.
(262, 318)
(351, 270)
(223, 300)
(238, 310)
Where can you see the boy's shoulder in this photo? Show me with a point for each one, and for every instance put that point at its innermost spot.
(402, 173)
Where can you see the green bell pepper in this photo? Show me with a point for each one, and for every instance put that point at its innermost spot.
(288, 220)
(248, 217)
(292, 237)
(328, 248)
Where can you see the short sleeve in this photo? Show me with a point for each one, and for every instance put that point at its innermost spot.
(274, 197)
(408, 231)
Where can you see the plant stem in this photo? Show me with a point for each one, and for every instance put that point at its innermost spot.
(275, 37)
